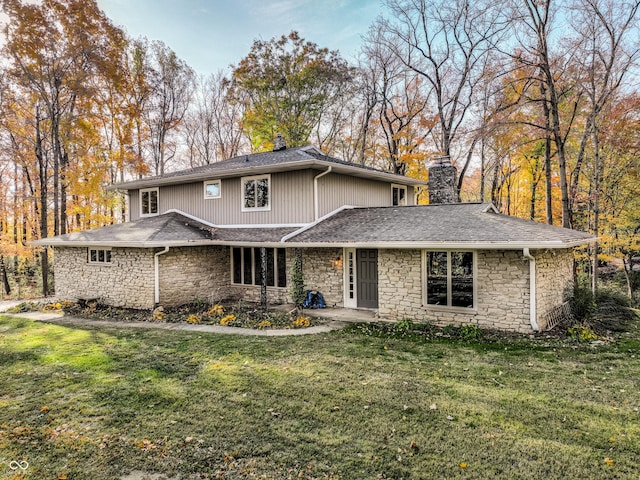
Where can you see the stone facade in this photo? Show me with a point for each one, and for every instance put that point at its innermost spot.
(323, 271)
(554, 280)
(442, 182)
(502, 291)
(190, 273)
(126, 282)
(194, 273)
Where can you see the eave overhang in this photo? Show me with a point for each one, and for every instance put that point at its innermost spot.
(273, 168)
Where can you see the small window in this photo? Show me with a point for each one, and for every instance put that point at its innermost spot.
(246, 266)
(450, 279)
(100, 256)
(149, 202)
(212, 189)
(256, 195)
(398, 195)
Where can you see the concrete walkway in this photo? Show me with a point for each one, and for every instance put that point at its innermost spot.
(60, 319)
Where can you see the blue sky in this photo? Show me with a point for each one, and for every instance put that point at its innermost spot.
(212, 34)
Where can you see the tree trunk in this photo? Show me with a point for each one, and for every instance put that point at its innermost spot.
(5, 278)
(547, 156)
(263, 278)
(596, 207)
(44, 229)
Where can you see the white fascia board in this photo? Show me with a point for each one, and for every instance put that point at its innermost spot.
(438, 245)
(293, 244)
(273, 168)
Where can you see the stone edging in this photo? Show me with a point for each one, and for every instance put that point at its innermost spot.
(58, 319)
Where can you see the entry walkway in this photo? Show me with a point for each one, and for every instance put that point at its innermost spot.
(336, 318)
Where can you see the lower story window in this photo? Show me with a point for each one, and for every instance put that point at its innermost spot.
(99, 256)
(246, 266)
(450, 279)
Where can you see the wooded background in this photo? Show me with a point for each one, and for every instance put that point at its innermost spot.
(535, 101)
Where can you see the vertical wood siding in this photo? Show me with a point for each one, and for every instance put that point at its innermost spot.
(292, 198)
(134, 205)
(336, 190)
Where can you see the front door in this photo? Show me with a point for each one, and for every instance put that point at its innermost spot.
(367, 278)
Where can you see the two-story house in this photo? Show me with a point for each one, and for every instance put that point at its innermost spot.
(223, 230)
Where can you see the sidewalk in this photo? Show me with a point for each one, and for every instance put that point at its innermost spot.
(60, 319)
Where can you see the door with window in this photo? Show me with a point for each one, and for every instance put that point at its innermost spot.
(367, 278)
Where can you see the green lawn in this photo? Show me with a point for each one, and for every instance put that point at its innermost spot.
(94, 403)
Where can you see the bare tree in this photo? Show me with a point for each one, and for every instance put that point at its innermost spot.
(445, 43)
(172, 83)
(212, 128)
(608, 33)
(401, 100)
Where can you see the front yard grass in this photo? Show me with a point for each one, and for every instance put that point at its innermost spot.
(98, 403)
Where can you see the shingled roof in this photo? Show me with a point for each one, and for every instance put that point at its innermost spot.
(169, 229)
(462, 225)
(268, 162)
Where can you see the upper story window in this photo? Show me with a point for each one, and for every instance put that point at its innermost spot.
(212, 189)
(450, 279)
(148, 202)
(398, 194)
(256, 193)
(100, 256)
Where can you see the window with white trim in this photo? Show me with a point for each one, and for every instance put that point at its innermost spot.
(450, 278)
(246, 266)
(398, 195)
(148, 202)
(256, 193)
(212, 189)
(99, 256)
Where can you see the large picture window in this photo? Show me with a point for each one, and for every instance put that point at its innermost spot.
(149, 202)
(246, 266)
(450, 279)
(256, 193)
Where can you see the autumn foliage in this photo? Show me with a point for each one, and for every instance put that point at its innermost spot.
(540, 120)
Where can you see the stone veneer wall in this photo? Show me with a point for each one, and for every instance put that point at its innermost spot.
(554, 280)
(194, 273)
(126, 282)
(322, 273)
(502, 291)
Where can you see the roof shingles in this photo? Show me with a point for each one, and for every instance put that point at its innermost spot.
(422, 226)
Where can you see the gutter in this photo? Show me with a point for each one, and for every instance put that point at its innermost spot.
(532, 289)
(316, 202)
(156, 272)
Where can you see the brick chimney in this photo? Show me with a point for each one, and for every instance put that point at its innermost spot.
(279, 143)
(442, 181)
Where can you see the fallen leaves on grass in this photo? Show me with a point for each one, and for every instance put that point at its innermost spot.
(609, 462)
(147, 445)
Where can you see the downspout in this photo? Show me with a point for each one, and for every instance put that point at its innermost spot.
(532, 289)
(157, 275)
(316, 202)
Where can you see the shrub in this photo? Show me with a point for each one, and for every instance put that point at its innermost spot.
(582, 333)
(404, 325)
(216, 310)
(227, 319)
(613, 312)
(583, 303)
(302, 322)
(470, 332)
(158, 314)
(193, 318)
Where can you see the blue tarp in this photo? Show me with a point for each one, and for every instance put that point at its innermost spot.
(314, 299)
